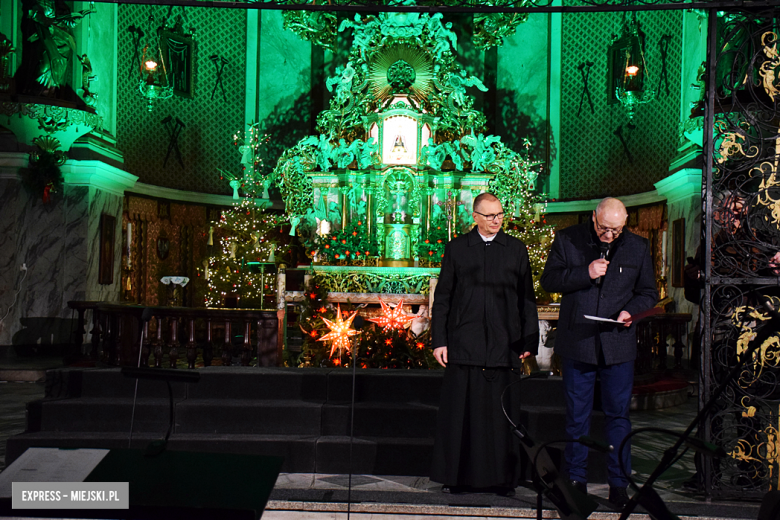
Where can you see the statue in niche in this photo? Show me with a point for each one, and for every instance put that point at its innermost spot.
(353, 194)
(316, 216)
(437, 213)
(47, 49)
(360, 211)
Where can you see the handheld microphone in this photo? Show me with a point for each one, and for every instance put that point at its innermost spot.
(604, 247)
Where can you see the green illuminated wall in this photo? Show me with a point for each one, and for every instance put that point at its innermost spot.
(206, 140)
(593, 163)
(535, 88)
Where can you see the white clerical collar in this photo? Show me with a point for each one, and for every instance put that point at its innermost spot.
(486, 239)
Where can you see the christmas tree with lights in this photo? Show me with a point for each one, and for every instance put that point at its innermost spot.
(247, 245)
(524, 217)
(253, 179)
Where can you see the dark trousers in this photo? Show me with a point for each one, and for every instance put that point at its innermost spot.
(579, 383)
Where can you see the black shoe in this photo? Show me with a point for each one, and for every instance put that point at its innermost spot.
(579, 486)
(454, 490)
(618, 496)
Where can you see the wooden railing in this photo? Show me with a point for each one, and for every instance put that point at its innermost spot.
(117, 332)
(651, 341)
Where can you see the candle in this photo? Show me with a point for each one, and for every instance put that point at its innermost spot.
(663, 252)
(129, 242)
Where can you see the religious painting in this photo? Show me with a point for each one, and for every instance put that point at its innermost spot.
(678, 252)
(178, 52)
(400, 140)
(106, 260)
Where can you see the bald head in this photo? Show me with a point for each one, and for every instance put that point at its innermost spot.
(609, 218)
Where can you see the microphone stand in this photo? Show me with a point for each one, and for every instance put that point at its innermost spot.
(146, 315)
(358, 324)
(771, 327)
(570, 503)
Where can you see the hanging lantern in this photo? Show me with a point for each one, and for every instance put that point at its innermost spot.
(628, 67)
(154, 83)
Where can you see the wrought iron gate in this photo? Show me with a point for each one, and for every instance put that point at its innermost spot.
(741, 251)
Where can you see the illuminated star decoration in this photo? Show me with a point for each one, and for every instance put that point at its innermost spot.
(340, 331)
(393, 318)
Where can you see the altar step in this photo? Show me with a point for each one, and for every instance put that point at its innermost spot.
(302, 453)
(300, 414)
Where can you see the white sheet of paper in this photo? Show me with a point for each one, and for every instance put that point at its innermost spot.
(50, 465)
(596, 318)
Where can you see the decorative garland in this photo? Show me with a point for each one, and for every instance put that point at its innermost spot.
(43, 176)
(350, 245)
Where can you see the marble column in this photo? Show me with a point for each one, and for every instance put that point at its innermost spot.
(59, 243)
(682, 191)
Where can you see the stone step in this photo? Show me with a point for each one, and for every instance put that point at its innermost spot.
(310, 384)
(266, 417)
(302, 454)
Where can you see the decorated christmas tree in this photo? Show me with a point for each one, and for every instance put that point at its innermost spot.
(252, 180)
(249, 241)
(524, 210)
(247, 244)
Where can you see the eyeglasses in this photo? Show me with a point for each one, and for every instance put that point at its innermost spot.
(601, 230)
(491, 218)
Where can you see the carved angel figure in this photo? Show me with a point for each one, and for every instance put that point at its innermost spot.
(482, 152)
(324, 150)
(368, 154)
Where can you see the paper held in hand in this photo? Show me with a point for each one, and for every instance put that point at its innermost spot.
(635, 318)
(596, 318)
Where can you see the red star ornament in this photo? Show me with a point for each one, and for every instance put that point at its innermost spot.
(340, 331)
(393, 318)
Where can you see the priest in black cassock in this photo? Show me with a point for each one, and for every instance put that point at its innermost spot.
(484, 324)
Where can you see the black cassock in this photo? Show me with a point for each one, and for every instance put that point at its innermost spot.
(474, 445)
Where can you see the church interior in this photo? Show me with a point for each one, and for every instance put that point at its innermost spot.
(223, 188)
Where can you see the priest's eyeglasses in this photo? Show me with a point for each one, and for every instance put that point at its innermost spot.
(602, 230)
(492, 217)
